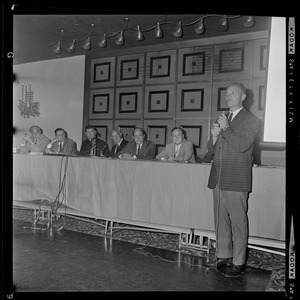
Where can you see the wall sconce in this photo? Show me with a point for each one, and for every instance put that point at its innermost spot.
(58, 48)
(139, 34)
(72, 47)
(200, 29)
(178, 30)
(158, 32)
(120, 39)
(87, 44)
(223, 24)
(249, 22)
(103, 43)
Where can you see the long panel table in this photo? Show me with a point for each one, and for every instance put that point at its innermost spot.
(158, 194)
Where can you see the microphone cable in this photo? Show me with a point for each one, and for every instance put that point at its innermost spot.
(141, 250)
(62, 187)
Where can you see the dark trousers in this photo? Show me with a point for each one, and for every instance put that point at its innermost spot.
(231, 223)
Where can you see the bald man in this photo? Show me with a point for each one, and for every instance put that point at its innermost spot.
(34, 141)
(119, 143)
(231, 147)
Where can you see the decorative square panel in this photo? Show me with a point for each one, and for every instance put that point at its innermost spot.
(231, 60)
(157, 134)
(130, 69)
(101, 103)
(193, 64)
(160, 67)
(102, 72)
(192, 99)
(158, 101)
(128, 102)
(260, 57)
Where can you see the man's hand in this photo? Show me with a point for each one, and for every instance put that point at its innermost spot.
(27, 138)
(223, 121)
(215, 131)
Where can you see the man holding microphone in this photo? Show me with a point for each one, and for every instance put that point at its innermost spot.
(231, 145)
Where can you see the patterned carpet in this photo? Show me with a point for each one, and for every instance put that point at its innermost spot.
(256, 259)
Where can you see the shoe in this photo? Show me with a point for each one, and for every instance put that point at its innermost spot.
(233, 270)
(219, 262)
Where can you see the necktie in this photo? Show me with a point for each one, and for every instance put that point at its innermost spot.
(138, 149)
(230, 117)
(59, 147)
(116, 149)
(176, 150)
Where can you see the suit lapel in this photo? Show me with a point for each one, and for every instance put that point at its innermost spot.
(238, 118)
(180, 152)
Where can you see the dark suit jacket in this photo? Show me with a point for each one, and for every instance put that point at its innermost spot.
(146, 153)
(86, 146)
(232, 154)
(120, 148)
(69, 147)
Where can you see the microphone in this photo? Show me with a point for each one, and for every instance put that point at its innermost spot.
(101, 152)
(94, 147)
(50, 144)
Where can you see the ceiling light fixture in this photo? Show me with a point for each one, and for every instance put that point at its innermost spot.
(58, 48)
(223, 25)
(249, 22)
(178, 30)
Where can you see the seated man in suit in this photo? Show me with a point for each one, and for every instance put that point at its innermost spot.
(140, 148)
(119, 141)
(180, 150)
(62, 144)
(34, 141)
(93, 146)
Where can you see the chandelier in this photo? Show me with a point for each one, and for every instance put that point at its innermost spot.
(199, 29)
